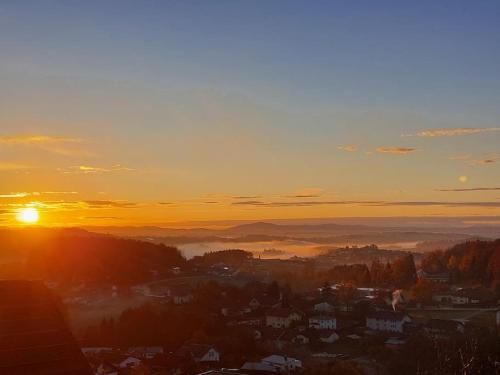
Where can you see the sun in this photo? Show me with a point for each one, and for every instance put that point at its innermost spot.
(28, 215)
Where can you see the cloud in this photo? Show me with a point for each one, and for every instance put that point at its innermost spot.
(35, 139)
(14, 195)
(365, 203)
(486, 160)
(445, 204)
(348, 148)
(102, 217)
(396, 150)
(13, 167)
(246, 197)
(55, 144)
(110, 204)
(307, 193)
(451, 132)
(35, 193)
(88, 169)
(300, 203)
(470, 189)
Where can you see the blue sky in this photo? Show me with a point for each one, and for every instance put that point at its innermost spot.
(170, 89)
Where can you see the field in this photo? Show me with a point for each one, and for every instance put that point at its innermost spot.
(477, 316)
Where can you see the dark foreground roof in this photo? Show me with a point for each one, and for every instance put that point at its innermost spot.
(34, 337)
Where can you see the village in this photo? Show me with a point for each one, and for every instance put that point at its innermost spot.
(268, 328)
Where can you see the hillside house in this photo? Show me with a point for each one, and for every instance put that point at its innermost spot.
(389, 321)
(323, 321)
(282, 317)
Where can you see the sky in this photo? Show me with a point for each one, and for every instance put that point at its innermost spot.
(153, 112)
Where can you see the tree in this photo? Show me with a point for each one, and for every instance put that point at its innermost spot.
(346, 294)
(405, 272)
(422, 291)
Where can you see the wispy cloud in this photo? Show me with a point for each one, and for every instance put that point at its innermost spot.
(254, 203)
(35, 139)
(310, 192)
(14, 195)
(13, 167)
(110, 204)
(396, 150)
(55, 144)
(300, 203)
(348, 148)
(89, 169)
(470, 189)
(451, 132)
(439, 203)
(485, 160)
(246, 197)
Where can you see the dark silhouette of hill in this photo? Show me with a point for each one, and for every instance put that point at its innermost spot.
(75, 255)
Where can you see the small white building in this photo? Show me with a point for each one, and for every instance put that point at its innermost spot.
(199, 353)
(282, 363)
(282, 317)
(324, 307)
(129, 362)
(389, 321)
(324, 321)
(180, 294)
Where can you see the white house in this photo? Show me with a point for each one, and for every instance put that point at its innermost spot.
(282, 317)
(130, 362)
(391, 321)
(324, 321)
(180, 294)
(145, 351)
(328, 336)
(282, 363)
(199, 353)
(324, 307)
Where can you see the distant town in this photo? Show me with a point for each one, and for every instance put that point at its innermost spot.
(355, 310)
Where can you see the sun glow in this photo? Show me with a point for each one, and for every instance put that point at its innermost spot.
(28, 215)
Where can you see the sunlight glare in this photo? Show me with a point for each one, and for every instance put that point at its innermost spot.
(28, 215)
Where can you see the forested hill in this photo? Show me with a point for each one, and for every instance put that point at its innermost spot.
(74, 255)
(469, 262)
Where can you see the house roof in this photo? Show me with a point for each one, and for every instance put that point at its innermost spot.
(34, 337)
(282, 312)
(193, 350)
(258, 366)
(387, 315)
(322, 317)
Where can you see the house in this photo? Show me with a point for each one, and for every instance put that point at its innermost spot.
(258, 368)
(324, 307)
(282, 363)
(282, 317)
(199, 353)
(145, 351)
(129, 362)
(391, 321)
(437, 277)
(323, 321)
(262, 301)
(328, 336)
(107, 369)
(180, 294)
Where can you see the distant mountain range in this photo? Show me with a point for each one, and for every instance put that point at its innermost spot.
(320, 233)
